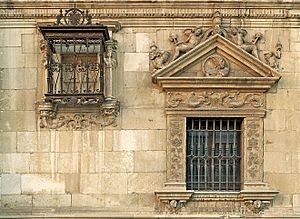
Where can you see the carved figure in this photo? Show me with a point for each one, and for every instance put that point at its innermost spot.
(250, 47)
(272, 58)
(193, 39)
(159, 58)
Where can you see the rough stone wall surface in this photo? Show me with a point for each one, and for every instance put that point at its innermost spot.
(119, 168)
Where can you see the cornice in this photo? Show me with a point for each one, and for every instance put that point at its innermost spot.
(139, 13)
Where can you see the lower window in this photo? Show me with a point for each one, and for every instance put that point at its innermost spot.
(213, 154)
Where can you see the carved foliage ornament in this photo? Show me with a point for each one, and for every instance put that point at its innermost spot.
(254, 151)
(176, 147)
(193, 37)
(211, 99)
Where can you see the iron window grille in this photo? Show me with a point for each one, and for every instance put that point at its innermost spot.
(75, 57)
(213, 154)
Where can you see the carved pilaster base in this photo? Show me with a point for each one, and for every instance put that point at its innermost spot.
(173, 197)
(257, 197)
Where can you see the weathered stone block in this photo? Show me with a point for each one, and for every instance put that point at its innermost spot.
(136, 62)
(90, 141)
(286, 183)
(72, 182)
(134, 140)
(145, 182)
(149, 161)
(10, 184)
(146, 118)
(121, 201)
(17, 99)
(42, 162)
(64, 141)
(43, 141)
(88, 162)
(12, 57)
(275, 120)
(87, 200)
(144, 40)
(8, 142)
(26, 141)
(42, 183)
(29, 43)
(18, 78)
(90, 183)
(53, 200)
(118, 162)
(296, 202)
(284, 141)
(16, 201)
(129, 42)
(292, 120)
(17, 121)
(15, 162)
(68, 163)
(11, 37)
(114, 183)
(283, 162)
(32, 61)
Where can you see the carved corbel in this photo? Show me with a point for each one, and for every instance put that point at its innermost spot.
(110, 110)
(256, 206)
(47, 112)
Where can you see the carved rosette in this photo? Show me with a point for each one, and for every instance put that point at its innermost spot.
(254, 150)
(176, 149)
(215, 99)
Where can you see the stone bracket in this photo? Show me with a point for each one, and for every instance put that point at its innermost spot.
(95, 116)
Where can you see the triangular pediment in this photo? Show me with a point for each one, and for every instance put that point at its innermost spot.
(217, 62)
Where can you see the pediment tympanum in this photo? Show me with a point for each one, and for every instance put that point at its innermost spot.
(216, 63)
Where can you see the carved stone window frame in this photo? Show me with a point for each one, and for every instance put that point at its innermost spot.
(216, 97)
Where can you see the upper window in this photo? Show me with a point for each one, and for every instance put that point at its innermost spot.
(75, 58)
(213, 154)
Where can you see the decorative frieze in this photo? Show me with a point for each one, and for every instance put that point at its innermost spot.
(215, 99)
(256, 206)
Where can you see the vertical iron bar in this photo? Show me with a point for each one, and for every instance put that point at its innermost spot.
(220, 157)
(61, 67)
(233, 149)
(74, 67)
(101, 66)
(199, 153)
(192, 156)
(212, 154)
(227, 153)
(49, 67)
(205, 155)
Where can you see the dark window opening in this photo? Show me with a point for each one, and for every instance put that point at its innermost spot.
(213, 154)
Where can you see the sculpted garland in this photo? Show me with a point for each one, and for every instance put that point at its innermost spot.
(197, 35)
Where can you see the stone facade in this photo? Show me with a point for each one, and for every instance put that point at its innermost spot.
(135, 165)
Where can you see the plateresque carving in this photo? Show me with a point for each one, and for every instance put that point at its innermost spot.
(272, 58)
(212, 99)
(193, 37)
(257, 206)
(176, 147)
(254, 151)
(158, 58)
